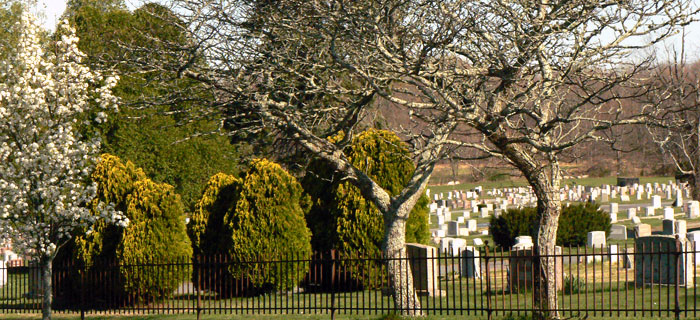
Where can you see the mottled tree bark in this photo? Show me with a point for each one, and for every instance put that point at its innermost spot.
(46, 286)
(400, 276)
(548, 209)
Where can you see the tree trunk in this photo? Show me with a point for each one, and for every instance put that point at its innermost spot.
(400, 277)
(694, 182)
(46, 273)
(546, 188)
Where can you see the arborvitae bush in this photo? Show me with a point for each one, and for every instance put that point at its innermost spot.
(342, 219)
(575, 222)
(210, 236)
(268, 222)
(578, 220)
(156, 233)
(207, 230)
(258, 217)
(513, 223)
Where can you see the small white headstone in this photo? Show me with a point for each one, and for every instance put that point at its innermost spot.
(694, 238)
(613, 251)
(693, 210)
(669, 213)
(471, 225)
(649, 211)
(656, 201)
(613, 207)
(478, 242)
(680, 227)
(596, 239)
(523, 240)
(484, 212)
(631, 212)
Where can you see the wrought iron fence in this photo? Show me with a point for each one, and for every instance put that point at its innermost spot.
(655, 278)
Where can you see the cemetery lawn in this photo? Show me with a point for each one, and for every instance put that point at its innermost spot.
(520, 182)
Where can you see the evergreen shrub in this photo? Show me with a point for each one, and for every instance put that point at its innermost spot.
(258, 217)
(156, 233)
(575, 222)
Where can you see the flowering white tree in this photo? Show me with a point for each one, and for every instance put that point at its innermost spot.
(45, 190)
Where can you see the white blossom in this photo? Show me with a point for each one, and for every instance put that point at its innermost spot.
(44, 163)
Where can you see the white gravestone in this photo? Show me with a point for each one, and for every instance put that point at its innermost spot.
(649, 211)
(679, 198)
(613, 207)
(484, 212)
(613, 253)
(669, 213)
(471, 225)
(694, 250)
(596, 239)
(642, 230)
(693, 210)
(523, 240)
(680, 227)
(3, 274)
(656, 201)
(478, 242)
(631, 212)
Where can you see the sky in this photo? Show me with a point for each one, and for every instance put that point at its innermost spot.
(53, 10)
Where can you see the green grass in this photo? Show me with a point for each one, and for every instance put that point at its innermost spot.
(520, 182)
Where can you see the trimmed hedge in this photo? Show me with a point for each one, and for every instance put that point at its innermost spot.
(575, 222)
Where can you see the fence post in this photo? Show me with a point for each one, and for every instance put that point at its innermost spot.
(677, 310)
(82, 291)
(198, 268)
(333, 257)
(488, 280)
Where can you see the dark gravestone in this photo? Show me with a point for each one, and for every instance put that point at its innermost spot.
(625, 182)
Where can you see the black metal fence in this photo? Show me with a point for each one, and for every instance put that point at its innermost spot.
(652, 279)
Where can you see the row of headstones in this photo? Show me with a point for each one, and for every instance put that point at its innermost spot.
(691, 209)
(524, 195)
(655, 263)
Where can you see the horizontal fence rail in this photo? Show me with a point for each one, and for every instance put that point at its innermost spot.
(647, 280)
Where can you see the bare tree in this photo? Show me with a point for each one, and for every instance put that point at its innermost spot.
(531, 78)
(676, 129)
